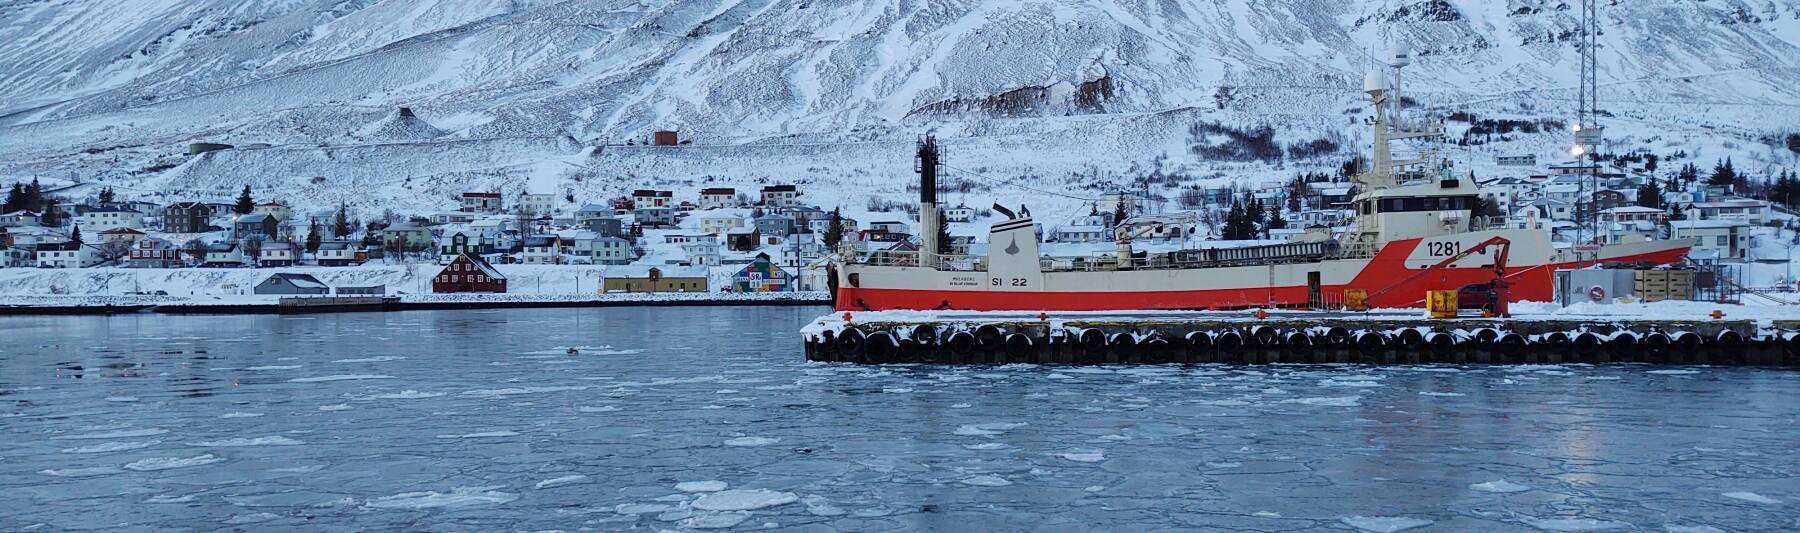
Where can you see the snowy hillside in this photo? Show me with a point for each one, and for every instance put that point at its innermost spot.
(1067, 95)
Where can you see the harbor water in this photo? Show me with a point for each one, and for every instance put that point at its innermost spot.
(698, 418)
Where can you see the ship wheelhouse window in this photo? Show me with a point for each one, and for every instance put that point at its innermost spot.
(1426, 203)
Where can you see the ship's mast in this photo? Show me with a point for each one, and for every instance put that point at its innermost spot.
(1388, 123)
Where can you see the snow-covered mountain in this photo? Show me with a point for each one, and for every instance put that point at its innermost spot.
(1054, 94)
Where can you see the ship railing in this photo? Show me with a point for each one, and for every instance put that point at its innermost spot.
(1357, 250)
(902, 258)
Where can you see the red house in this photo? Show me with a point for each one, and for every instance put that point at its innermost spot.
(468, 273)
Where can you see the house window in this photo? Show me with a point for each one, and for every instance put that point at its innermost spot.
(1723, 240)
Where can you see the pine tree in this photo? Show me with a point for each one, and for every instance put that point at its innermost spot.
(1723, 175)
(340, 223)
(1676, 213)
(34, 197)
(75, 234)
(312, 238)
(1650, 195)
(1275, 219)
(15, 198)
(52, 213)
(245, 205)
(1234, 219)
(106, 195)
(1686, 177)
(834, 232)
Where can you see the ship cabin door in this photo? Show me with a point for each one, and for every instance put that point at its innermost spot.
(1314, 297)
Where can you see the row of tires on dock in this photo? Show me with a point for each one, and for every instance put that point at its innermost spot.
(1263, 344)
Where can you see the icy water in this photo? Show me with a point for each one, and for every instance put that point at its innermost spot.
(687, 418)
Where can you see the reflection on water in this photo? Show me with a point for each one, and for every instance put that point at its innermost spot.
(688, 418)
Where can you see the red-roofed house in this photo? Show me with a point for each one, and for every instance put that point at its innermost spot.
(468, 273)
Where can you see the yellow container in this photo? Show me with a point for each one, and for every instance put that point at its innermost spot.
(1441, 304)
(1356, 299)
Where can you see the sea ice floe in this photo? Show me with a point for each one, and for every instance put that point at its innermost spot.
(481, 435)
(251, 518)
(1433, 393)
(1329, 401)
(1673, 372)
(1499, 486)
(122, 399)
(1693, 529)
(700, 486)
(1384, 524)
(986, 481)
(988, 429)
(1083, 456)
(1266, 514)
(165, 463)
(456, 498)
(715, 520)
(642, 508)
(335, 407)
(376, 359)
(560, 481)
(120, 434)
(339, 377)
(743, 500)
(240, 415)
(166, 498)
(819, 506)
(497, 393)
(1752, 498)
(960, 406)
(247, 441)
(81, 472)
(107, 447)
(1574, 524)
(986, 446)
(751, 441)
(600, 409)
(272, 367)
(407, 394)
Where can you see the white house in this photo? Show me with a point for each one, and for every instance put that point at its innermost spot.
(1752, 211)
(823, 225)
(276, 254)
(110, 217)
(720, 221)
(536, 203)
(961, 213)
(66, 255)
(780, 195)
(1631, 213)
(337, 253)
(224, 254)
(21, 218)
(542, 250)
(643, 198)
(702, 253)
(1727, 239)
(717, 197)
(273, 209)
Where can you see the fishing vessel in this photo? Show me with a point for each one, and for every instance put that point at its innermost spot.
(1413, 231)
